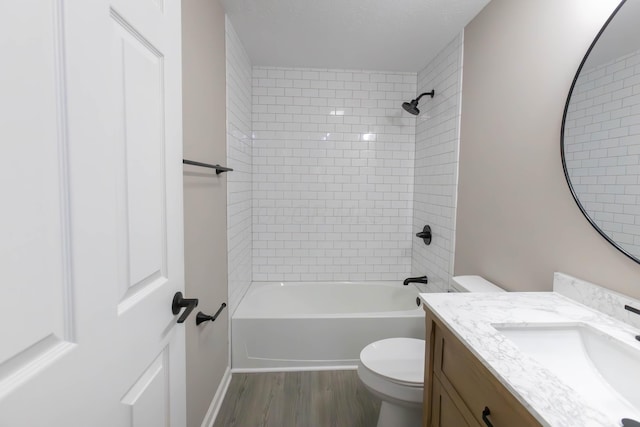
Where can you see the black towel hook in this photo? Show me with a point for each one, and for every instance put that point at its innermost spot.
(201, 317)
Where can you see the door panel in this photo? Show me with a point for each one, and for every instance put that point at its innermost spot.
(146, 71)
(34, 247)
(148, 399)
(139, 71)
(91, 249)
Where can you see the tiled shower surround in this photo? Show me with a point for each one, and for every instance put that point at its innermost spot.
(602, 147)
(324, 168)
(333, 163)
(436, 165)
(239, 148)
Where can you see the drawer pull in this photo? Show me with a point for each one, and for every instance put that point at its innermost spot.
(485, 416)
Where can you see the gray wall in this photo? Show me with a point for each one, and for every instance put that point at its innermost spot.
(205, 198)
(516, 220)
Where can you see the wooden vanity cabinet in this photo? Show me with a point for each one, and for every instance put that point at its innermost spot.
(458, 388)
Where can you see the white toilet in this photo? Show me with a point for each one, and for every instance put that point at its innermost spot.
(393, 369)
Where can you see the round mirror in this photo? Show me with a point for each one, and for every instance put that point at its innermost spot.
(600, 141)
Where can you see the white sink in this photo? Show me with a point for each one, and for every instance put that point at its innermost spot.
(603, 369)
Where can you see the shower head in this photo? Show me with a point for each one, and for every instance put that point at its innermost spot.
(412, 107)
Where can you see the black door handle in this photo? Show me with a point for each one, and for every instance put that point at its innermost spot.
(179, 302)
(485, 416)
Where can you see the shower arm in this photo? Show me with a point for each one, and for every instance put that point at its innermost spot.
(433, 92)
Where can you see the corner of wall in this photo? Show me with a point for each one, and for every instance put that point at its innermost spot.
(459, 126)
(436, 165)
(205, 224)
(240, 158)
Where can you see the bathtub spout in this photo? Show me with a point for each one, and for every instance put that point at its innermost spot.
(421, 279)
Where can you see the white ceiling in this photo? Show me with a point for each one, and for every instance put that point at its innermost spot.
(382, 35)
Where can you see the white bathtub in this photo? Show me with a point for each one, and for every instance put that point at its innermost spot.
(320, 325)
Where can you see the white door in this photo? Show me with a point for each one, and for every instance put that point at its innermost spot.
(91, 214)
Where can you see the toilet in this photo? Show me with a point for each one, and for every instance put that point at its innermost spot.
(393, 369)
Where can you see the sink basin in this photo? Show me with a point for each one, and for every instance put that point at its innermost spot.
(601, 368)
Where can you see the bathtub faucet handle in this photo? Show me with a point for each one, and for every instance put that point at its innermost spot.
(425, 235)
(422, 279)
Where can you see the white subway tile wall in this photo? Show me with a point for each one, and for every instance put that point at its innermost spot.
(333, 163)
(436, 165)
(239, 148)
(602, 147)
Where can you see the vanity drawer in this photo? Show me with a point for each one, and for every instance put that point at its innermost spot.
(462, 375)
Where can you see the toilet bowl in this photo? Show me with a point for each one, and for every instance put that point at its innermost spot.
(393, 369)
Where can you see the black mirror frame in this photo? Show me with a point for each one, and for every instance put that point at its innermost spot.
(564, 118)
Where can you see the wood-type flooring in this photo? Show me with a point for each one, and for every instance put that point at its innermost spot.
(298, 399)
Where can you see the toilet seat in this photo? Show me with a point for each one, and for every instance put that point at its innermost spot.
(398, 360)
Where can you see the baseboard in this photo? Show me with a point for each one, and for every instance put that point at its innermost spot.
(218, 398)
(295, 369)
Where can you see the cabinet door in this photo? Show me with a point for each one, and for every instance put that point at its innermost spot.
(444, 411)
(471, 386)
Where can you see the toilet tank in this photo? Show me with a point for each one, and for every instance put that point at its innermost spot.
(473, 284)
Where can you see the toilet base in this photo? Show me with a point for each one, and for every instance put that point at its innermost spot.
(399, 416)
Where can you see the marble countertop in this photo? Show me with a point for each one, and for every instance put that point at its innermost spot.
(470, 317)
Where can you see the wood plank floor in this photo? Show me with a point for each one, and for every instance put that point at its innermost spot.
(298, 399)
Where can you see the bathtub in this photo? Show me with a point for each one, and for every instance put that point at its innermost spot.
(319, 325)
